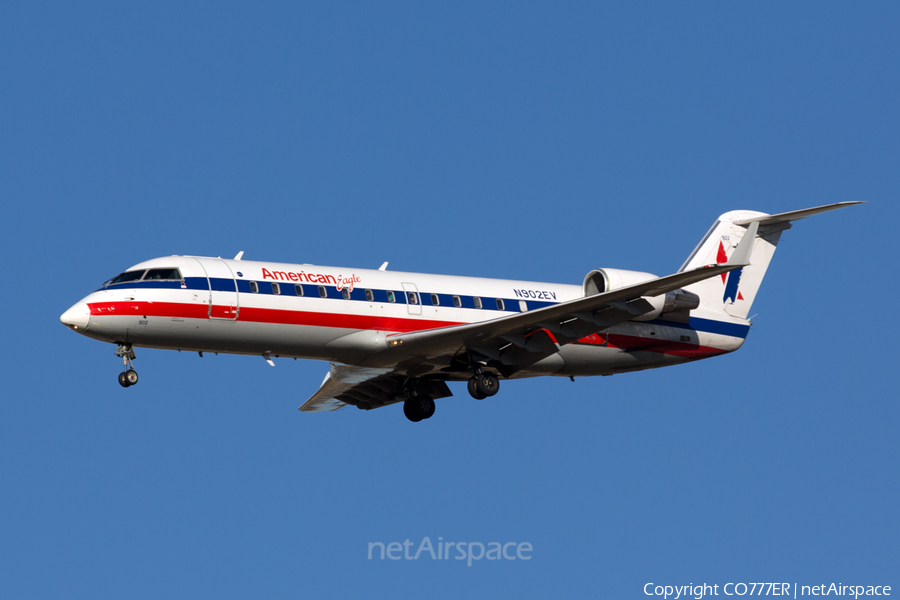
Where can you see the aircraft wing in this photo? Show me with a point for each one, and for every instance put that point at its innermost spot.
(520, 340)
(365, 387)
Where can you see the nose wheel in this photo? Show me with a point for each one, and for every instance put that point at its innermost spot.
(129, 376)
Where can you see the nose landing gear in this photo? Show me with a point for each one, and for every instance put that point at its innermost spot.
(128, 377)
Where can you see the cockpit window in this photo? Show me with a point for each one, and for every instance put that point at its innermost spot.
(125, 277)
(163, 274)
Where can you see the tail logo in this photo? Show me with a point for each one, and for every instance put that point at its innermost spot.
(722, 258)
(731, 279)
(731, 286)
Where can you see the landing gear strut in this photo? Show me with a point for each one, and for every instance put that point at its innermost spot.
(483, 384)
(418, 407)
(129, 376)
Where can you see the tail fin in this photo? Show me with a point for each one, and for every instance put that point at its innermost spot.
(733, 293)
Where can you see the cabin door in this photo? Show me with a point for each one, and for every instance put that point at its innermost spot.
(413, 298)
(223, 296)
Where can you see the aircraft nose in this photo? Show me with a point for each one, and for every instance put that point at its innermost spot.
(78, 317)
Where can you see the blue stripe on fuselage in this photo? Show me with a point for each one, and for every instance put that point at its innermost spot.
(312, 291)
(708, 326)
(446, 300)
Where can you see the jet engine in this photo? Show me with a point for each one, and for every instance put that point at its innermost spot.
(599, 281)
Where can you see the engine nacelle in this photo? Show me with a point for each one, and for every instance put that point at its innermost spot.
(605, 280)
(681, 300)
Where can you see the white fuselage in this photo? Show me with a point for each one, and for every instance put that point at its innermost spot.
(347, 316)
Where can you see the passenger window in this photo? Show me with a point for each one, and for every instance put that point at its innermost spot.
(126, 277)
(457, 302)
(523, 306)
(323, 293)
(298, 289)
(500, 304)
(163, 274)
(435, 300)
(346, 293)
(370, 296)
(391, 297)
(413, 298)
(276, 289)
(253, 287)
(477, 302)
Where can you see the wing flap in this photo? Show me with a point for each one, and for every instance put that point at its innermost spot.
(342, 386)
(366, 388)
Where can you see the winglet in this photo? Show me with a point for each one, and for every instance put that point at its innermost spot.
(239, 256)
(383, 267)
(741, 256)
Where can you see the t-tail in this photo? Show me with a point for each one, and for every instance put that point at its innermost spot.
(733, 292)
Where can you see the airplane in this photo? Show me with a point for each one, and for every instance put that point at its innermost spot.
(393, 337)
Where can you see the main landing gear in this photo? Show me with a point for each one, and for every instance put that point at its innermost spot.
(129, 376)
(483, 384)
(418, 407)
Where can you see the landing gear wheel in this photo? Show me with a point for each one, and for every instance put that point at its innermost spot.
(426, 407)
(418, 407)
(473, 390)
(128, 377)
(487, 384)
(411, 411)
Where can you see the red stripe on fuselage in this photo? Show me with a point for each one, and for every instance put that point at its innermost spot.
(631, 343)
(150, 309)
(252, 314)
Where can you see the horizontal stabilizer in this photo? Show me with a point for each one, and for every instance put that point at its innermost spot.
(795, 215)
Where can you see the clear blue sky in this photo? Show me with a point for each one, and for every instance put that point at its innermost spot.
(509, 140)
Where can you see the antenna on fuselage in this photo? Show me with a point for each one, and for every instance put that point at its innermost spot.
(239, 255)
(383, 267)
